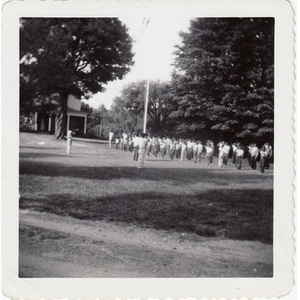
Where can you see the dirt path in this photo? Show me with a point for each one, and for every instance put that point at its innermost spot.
(55, 246)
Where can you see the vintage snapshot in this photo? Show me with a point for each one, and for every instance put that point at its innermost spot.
(148, 149)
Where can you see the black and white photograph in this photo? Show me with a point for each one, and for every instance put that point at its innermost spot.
(148, 147)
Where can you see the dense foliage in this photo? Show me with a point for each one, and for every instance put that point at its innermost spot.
(224, 78)
(98, 122)
(66, 56)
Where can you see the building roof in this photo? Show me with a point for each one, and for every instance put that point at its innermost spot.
(74, 112)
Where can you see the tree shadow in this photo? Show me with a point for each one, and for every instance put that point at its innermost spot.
(235, 214)
(41, 155)
(40, 148)
(186, 175)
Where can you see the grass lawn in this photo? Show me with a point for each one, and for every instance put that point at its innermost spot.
(95, 182)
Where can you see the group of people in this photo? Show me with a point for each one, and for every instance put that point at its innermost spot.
(187, 149)
(135, 143)
(264, 154)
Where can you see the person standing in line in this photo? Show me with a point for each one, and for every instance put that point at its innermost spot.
(121, 146)
(168, 143)
(135, 147)
(253, 156)
(172, 148)
(234, 148)
(239, 157)
(263, 155)
(125, 142)
(268, 149)
(156, 147)
(221, 152)
(117, 143)
(193, 143)
(110, 137)
(130, 144)
(159, 141)
(163, 147)
(195, 152)
(209, 152)
(226, 150)
(142, 142)
(183, 150)
(178, 149)
(136, 152)
(125, 146)
(198, 148)
(149, 146)
(213, 151)
(189, 149)
(249, 147)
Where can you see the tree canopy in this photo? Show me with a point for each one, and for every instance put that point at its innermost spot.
(224, 78)
(128, 108)
(75, 56)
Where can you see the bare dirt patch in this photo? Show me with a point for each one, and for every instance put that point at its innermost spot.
(56, 246)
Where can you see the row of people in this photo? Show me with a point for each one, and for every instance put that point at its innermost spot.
(263, 155)
(195, 150)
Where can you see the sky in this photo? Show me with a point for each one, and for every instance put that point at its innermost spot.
(153, 47)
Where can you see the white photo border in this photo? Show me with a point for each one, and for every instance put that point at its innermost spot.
(282, 281)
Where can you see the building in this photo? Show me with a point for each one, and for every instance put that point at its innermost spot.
(77, 119)
(43, 119)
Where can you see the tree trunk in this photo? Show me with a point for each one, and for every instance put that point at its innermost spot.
(61, 117)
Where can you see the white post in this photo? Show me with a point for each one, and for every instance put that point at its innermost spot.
(49, 122)
(84, 131)
(146, 106)
(68, 123)
(69, 141)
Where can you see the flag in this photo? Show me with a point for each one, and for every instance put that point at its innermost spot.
(144, 24)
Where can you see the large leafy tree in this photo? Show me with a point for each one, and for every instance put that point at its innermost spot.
(99, 122)
(224, 78)
(78, 56)
(129, 107)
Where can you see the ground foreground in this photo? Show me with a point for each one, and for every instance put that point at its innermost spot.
(94, 214)
(55, 246)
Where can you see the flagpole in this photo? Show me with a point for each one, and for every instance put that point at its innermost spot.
(146, 106)
(145, 25)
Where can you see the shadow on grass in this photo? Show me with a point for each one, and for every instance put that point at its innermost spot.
(235, 214)
(42, 155)
(173, 174)
(90, 141)
(38, 155)
(40, 148)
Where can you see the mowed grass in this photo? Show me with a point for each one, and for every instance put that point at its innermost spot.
(99, 183)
